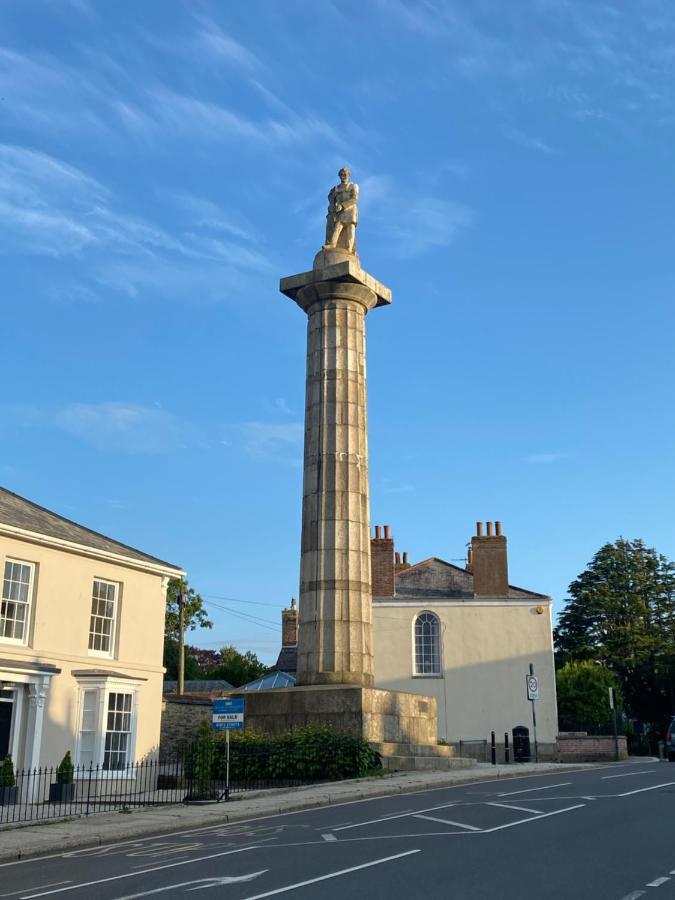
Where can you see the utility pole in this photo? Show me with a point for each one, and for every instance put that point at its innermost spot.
(181, 643)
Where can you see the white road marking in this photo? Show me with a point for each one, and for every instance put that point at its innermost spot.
(200, 882)
(329, 837)
(519, 808)
(633, 896)
(38, 887)
(547, 787)
(654, 787)
(299, 884)
(298, 812)
(187, 862)
(628, 774)
(557, 812)
(448, 822)
(658, 881)
(397, 816)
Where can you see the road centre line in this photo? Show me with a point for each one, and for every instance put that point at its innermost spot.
(658, 881)
(38, 887)
(79, 854)
(299, 884)
(397, 816)
(448, 822)
(519, 808)
(74, 887)
(654, 787)
(556, 812)
(628, 774)
(633, 896)
(547, 787)
(200, 882)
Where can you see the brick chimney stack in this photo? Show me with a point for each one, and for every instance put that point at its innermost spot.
(489, 562)
(289, 625)
(382, 562)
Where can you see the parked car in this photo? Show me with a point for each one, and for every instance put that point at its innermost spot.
(670, 741)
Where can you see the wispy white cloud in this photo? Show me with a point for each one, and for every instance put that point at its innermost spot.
(269, 440)
(212, 39)
(202, 213)
(427, 221)
(528, 141)
(110, 425)
(544, 458)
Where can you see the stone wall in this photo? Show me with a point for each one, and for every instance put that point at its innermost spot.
(590, 748)
(180, 721)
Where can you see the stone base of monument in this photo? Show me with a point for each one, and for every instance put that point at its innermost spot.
(402, 727)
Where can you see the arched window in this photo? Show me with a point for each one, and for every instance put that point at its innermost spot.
(427, 644)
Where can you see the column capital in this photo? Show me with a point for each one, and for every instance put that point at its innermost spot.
(340, 280)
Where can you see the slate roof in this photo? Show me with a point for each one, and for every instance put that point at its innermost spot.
(434, 578)
(287, 661)
(22, 513)
(199, 686)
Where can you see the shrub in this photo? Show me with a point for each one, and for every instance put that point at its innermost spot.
(199, 764)
(7, 778)
(315, 753)
(65, 770)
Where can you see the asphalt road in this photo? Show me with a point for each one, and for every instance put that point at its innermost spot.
(606, 833)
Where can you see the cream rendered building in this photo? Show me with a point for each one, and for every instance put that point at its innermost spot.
(466, 637)
(81, 636)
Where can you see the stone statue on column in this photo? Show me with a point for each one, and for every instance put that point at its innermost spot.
(343, 214)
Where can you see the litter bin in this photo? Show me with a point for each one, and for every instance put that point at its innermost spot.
(521, 744)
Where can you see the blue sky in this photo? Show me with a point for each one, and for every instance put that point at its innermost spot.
(163, 163)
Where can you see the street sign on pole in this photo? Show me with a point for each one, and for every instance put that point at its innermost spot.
(227, 713)
(532, 687)
(611, 697)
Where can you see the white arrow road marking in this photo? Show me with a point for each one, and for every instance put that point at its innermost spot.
(186, 862)
(547, 787)
(448, 822)
(329, 837)
(654, 787)
(199, 882)
(299, 884)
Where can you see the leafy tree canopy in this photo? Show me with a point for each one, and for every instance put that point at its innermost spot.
(195, 614)
(583, 696)
(621, 613)
(237, 668)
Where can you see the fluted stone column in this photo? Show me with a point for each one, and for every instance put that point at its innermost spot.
(335, 616)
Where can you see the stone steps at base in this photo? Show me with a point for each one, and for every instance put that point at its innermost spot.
(426, 763)
(391, 749)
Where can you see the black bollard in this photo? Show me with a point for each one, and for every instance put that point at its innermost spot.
(506, 746)
(493, 748)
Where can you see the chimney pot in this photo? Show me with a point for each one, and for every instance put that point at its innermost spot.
(397, 557)
(405, 558)
(387, 533)
(378, 532)
(488, 529)
(498, 529)
(479, 529)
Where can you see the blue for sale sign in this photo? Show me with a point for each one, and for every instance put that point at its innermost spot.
(227, 713)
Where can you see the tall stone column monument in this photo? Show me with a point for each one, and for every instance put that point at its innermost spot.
(335, 675)
(335, 622)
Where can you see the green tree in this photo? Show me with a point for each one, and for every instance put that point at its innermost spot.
(621, 613)
(192, 670)
(195, 614)
(237, 668)
(583, 696)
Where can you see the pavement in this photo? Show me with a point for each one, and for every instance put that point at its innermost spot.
(593, 833)
(51, 836)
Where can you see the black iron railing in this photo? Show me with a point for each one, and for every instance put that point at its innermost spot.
(196, 773)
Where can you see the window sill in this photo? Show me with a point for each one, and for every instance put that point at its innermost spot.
(435, 675)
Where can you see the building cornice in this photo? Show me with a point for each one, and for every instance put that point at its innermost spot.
(116, 559)
(469, 602)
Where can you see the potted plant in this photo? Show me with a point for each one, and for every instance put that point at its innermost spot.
(8, 788)
(63, 790)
